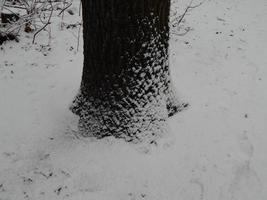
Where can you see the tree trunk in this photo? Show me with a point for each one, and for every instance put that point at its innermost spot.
(125, 90)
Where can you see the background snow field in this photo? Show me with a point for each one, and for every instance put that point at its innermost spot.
(216, 150)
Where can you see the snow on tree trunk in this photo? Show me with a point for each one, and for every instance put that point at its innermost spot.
(126, 88)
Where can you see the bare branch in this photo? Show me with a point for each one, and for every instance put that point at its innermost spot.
(38, 14)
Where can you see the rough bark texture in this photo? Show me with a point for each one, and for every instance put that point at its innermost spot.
(126, 89)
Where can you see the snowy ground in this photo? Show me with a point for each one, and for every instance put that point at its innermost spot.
(216, 149)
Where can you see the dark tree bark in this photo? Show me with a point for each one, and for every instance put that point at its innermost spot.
(126, 89)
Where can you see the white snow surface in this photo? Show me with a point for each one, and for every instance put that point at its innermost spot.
(216, 150)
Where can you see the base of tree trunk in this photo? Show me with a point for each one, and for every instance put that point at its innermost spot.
(128, 118)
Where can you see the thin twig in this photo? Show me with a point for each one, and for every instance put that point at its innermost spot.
(62, 17)
(48, 22)
(15, 6)
(80, 8)
(182, 16)
(62, 11)
(79, 32)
